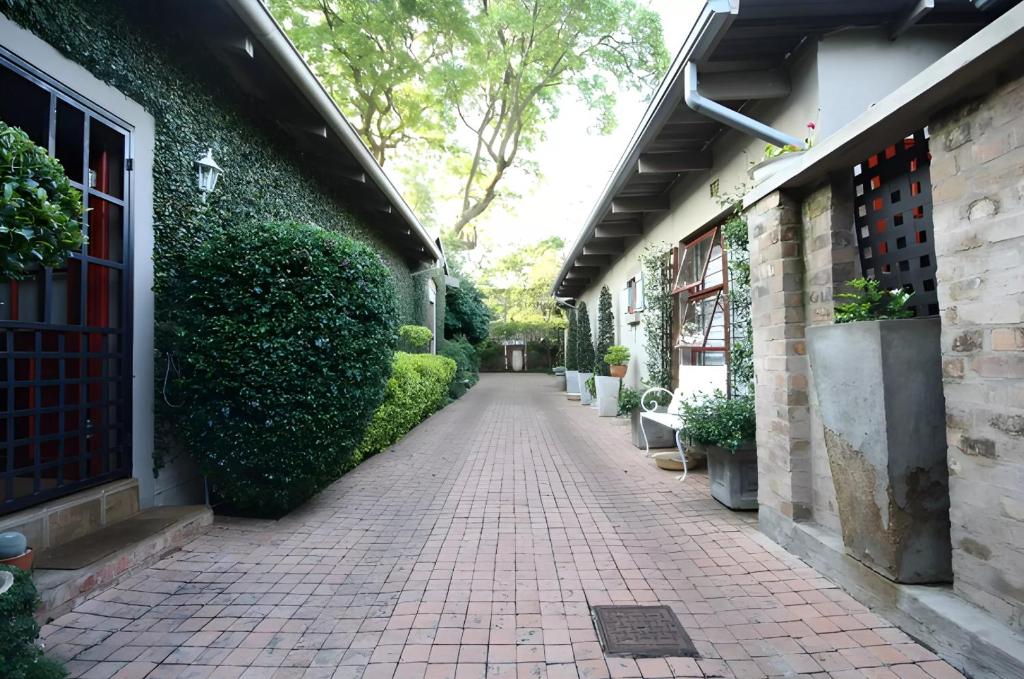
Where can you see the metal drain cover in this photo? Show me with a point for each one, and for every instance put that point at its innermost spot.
(641, 632)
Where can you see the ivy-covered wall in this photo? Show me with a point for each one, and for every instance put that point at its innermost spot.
(264, 179)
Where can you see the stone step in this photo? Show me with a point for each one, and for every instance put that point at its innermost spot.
(71, 573)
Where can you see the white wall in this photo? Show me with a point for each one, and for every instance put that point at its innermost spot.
(833, 80)
(171, 486)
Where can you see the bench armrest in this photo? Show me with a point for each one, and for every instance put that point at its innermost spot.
(653, 404)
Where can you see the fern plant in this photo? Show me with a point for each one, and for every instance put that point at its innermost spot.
(872, 302)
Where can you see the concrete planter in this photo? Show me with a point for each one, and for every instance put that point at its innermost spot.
(572, 382)
(607, 396)
(879, 386)
(658, 435)
(585, 396)
(732, 476)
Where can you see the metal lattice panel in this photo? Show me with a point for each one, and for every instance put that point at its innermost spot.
(893, 214)
(641, 632)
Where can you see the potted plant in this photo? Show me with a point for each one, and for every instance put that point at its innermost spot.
(607, 387)
(617, 359)
(726, 426)
(572, 375)
(14, 551)
(878, 378)
(777, 158)
(584, 352)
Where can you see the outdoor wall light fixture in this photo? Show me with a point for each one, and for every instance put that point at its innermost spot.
(209, 173)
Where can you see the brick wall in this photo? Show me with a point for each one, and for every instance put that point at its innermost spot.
(978, 187)
(780, 357)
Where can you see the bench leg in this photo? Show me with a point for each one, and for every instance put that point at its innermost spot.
(647, 445)
(682, 454)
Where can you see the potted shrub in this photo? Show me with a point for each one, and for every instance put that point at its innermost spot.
(14, 551)
(608, 385)
(617, 359)
(572, 375)
(877, 375)
(726, 426)
(584, 352)
(414, 339)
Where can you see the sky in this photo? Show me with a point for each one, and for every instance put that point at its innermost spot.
(575, 161)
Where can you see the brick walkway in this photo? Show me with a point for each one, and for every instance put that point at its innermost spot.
(475, 548)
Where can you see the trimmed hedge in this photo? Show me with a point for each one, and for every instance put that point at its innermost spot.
(418, 386)
(467, 364)
(20, 657)
(414, 338)
(285, 335)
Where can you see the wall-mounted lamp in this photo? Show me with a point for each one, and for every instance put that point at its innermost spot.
(209, 173)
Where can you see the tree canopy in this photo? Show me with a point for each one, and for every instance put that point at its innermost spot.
(476, 80)
(518, 285)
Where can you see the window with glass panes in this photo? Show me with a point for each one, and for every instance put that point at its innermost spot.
(65, 350)
(701, 323)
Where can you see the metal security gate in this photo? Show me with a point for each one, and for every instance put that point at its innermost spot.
(65, 334)
(893, 204)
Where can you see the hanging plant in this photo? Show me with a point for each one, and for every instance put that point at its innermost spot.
(40, 211)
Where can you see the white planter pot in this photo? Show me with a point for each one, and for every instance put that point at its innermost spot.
(607, 396)
(572, 382)
(585, 396)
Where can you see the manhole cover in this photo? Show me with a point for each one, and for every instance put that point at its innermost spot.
(641, 632)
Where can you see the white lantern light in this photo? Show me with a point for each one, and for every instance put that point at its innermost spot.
(209, 173)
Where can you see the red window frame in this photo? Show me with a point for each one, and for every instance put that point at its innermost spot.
(699, 291)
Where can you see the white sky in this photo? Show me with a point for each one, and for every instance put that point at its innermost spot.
(575, 162)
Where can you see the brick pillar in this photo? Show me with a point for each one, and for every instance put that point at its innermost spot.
(780, 362)
(978, 195)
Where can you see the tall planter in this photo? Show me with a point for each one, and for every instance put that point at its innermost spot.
(732, 476)
(572, 382)
(607, 396)
(658, 435)
(879, 387)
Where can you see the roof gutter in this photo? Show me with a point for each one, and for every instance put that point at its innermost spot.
(714, 19)
(270, 34)
(734, 119)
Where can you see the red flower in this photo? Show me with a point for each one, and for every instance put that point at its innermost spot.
(811, 126)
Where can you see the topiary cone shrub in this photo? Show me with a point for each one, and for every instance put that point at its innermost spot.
(285, 335)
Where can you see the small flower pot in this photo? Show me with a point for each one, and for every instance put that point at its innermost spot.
(22, 561)
(617, 370)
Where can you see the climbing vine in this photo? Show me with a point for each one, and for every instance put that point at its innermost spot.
(656, 265)
(741, 349)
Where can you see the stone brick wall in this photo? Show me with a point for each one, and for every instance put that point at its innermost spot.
(830, 260)
(780, 357)
(978, 188)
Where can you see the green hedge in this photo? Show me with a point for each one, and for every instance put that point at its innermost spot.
(418, 386)
(466, 361)
(285, 335)
(20, 657)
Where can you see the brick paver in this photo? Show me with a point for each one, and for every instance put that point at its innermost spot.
(474, 549)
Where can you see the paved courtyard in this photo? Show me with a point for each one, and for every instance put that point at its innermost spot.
(475, 548)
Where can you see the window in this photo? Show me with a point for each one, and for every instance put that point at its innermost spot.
(635, 294)
(702, 319)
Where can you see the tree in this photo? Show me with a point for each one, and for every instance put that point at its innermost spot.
(605, 328)
(584, 342)
(518, 285)
(476, 78)
(465, 313)
(571, 351)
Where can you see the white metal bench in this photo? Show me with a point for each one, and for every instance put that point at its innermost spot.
(693, 380)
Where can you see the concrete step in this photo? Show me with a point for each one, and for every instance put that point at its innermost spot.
(71, 573)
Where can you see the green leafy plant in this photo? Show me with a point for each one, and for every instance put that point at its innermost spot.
(871, 302)
(591, 384)
(467, 364)
(572, 354)
(465, 312)
(657, 318)
(39, 209)
(629, 400)
(416, 337)
(418, 386)
(584, 344)
(605, 329)
(20, 657)
(617, 355)
(741, 345)
(773, 151)
(719, 420)
(285, 335)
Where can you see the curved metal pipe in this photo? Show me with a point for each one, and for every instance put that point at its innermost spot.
(734, 119)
